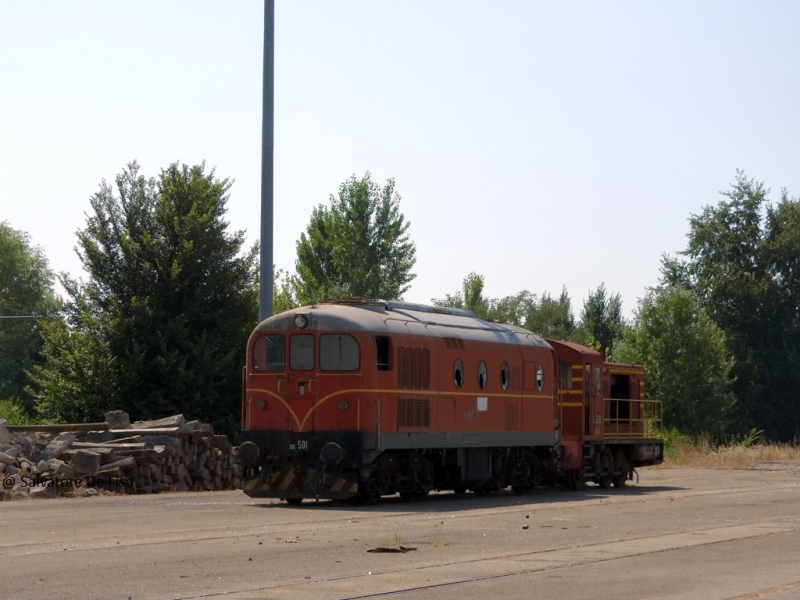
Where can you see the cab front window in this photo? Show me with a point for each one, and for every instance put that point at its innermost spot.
(301, 352)
(338, 352)
(269, 353)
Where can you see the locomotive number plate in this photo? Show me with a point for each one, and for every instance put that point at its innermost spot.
(299, 445)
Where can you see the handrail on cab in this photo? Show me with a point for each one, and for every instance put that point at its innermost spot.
(625, 419)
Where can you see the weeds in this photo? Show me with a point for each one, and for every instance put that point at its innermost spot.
(683, 451)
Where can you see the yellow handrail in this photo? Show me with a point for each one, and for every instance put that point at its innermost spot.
(624, 418)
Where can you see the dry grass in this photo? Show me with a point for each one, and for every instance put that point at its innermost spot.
(702, 454)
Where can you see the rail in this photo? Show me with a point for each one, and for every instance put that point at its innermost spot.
(624, 418)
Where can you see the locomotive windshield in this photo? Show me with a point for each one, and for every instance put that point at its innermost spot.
(269, 353)
(338, 352)
(301, 355)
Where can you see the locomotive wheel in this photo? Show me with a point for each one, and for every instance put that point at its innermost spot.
(294, 501)
(605, 469)
(575, 479)
(621, 466)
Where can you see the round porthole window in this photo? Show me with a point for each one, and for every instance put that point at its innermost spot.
(458, 373)
(482, 374)
(540, 378)
(504, 376)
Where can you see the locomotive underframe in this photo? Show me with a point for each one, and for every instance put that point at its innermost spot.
(343, 465)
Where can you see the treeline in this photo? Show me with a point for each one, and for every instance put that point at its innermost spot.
(161, 323)
(160, 326)
(719, 337)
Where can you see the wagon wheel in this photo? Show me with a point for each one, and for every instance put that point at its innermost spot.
(620, 467)
(605, 468)
(293, 501)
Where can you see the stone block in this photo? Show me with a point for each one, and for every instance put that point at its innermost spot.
(56, 448)
(58, 469)
(85, 463)
(100, 436)
(118, 419)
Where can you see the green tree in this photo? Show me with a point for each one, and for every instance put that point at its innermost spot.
(283, 297)
(357, 247)
(553, 317)
(602, 320)
(26, 295)
(742, 265)
(161, 326)
(470, 297)
(686, 360)
(548, 316)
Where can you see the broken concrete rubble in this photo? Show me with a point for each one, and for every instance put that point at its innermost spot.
(144, 457)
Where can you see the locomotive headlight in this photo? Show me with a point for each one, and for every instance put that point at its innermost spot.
(331, 454)
(248, 454)
(301, 321)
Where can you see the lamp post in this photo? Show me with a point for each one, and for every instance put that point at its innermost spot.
(267, 150)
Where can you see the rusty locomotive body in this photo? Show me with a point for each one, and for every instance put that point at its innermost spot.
(365, 398)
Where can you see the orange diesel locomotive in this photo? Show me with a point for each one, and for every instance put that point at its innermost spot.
(362, 398)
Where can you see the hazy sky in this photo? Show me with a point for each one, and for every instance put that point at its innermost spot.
(541, 144)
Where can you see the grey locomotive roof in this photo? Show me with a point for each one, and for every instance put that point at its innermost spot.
(401, 317)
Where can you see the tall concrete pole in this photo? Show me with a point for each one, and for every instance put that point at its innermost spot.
(267, 150)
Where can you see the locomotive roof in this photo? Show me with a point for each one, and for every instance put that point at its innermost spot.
(401, 317)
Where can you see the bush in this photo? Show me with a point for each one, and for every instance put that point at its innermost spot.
(12, 411)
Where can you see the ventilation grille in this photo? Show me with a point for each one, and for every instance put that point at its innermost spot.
(413, 413)
(413, 368)
(454, 343)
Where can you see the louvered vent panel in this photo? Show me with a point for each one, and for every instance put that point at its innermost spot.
(414, 368)
(401, 367)
(447, 344)
(417, 368)
(413, 413)
(426, 368)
